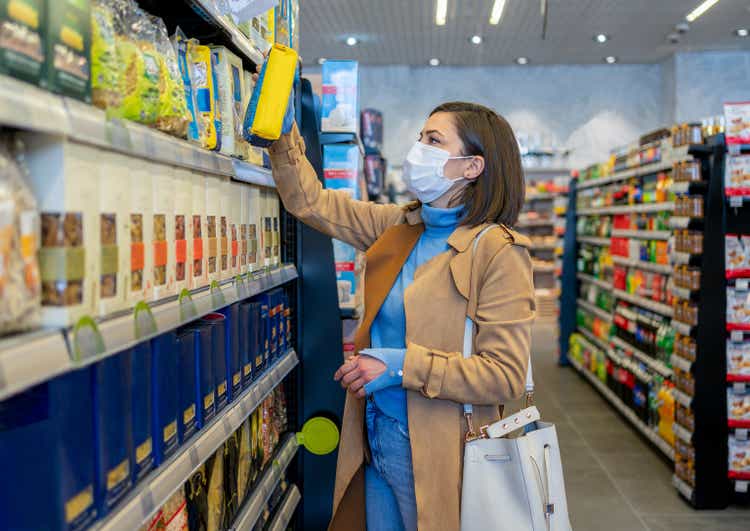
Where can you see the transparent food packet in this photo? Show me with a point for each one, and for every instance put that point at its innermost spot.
(173, 110)
(106, 69)
(20, 280)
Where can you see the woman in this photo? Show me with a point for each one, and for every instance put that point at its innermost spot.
(399, 464)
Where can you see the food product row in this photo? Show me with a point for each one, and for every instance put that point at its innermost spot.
(121, 58)
(115, 231)
(101, 429)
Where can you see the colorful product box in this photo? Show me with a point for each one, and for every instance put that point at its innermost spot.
(244, 192)
(254, 231)
(233, 197)
(371, 129)
(230, 87)
(339, 106)
(233, 345)
(60, 176)
(141, 233)
(255, 347)
(142, 457)
(165, 358)
(244, 340)
(187, 385)
(268, 300)
(341, 163)
(265, 331)
(111, 381)
(183, 229)
(737, 118)
(114, 227)
(47, 455)
(23, 29)
(200, 232)
(217, 325)
(69, 48)
(205, 383)
(163, 183)
(213, 227)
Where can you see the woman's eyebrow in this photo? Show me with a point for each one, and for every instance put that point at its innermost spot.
(431, 131)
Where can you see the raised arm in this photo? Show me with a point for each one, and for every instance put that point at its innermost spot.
(496, 373)
(332, 212)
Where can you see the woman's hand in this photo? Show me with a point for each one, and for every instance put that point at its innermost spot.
(358, 371)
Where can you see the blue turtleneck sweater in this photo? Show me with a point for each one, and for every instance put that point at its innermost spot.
(388, 331)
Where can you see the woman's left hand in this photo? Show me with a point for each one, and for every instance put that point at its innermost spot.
(357, 372)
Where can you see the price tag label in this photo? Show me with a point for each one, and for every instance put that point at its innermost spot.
(739, 387)
(87, 340)
(735, 201)
(742, 284)
(741, 486)
(741, 434)
(737, 336)
(733, 149)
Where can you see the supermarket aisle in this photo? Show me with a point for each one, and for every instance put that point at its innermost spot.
(615, 479)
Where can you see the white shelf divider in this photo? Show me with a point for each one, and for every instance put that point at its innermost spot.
(158, 486)
(628, 413)
(29, 359)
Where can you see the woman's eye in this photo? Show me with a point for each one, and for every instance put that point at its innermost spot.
(434, 140)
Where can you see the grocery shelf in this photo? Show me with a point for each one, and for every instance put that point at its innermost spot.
(27, 107)
(29, 359)
(238, 38)
(683, 398)
(627, 209)
(657, 307)
(680, 258)
(158, 486)
(682, 487)
(588, 278)
(678, 155)
(628, 413)
(682, 293)
(253, 507)
(642, 234)
(682, 432)
(601, 314)
(682, 222)
(594, 240)
(652, 363)
(285, 512)
(598, 342)
(683, 328)
(738, 378)
(681, 363)
(683, 187)
(642, 264)
(739, 423)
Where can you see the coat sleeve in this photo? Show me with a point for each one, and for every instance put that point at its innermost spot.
(496, 373)
(331, 212)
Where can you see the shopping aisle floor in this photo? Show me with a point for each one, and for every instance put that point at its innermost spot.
(615, 480)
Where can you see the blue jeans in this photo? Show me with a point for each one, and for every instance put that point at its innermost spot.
(389, 479)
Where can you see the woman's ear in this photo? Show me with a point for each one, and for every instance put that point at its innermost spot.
(474, 168)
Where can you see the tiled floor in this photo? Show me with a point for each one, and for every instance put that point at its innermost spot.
(615, 480)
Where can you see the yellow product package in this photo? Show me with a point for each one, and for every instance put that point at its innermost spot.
(106, 71)
(203, 87)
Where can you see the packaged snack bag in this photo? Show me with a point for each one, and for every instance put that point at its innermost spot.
(203, 84)
(106, 69)
(173, 117)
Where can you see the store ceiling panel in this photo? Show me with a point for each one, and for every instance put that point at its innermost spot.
(404, 31)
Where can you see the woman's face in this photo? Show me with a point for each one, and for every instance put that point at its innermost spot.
(440, 131)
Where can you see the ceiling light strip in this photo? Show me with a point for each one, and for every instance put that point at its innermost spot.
(497, 12)
(698, 11)
(441, 12)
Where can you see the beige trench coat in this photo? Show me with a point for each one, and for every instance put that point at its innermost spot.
(494, 288)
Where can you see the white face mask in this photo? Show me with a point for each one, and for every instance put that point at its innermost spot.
(423, 172)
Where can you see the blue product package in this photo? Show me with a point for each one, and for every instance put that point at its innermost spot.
(165, 395)
(340, 111)
(187, 390)
(217, 106)
(180, 44)
(255, 338)
(270, 327)
(287, 321)
(246, 358)
(280, 326)
(265, 333)
(142, 458)
(47, 454)
(205, 383)
(232, 346)
(217, 324)
(341, 163)
(111, 380)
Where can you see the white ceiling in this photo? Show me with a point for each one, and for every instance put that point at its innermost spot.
(404, 31)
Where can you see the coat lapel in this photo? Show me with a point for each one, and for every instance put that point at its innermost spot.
(385, 259)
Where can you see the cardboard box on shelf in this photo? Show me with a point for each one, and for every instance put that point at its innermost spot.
(187, 390)
(244, 192)
(60, 176)
(163, 182)
(142, 456)
(341, 166)
(68, 40)
(234, 193)
(254, 230)
(183, 229)
(165, 377)
(230, 83)
(141, 233)
(213, 226)
(23, 50)
(199, 262)
(114, 200)
(340, 111)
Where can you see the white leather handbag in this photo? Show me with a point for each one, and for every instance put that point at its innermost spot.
(512, 484)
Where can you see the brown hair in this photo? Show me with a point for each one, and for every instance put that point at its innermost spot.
(497, 196)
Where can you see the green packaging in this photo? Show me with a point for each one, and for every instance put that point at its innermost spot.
(69, 48)
(22, 35)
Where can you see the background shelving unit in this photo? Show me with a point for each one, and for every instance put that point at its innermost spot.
(595, 330)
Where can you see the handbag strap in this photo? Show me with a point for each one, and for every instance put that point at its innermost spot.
(468, 349)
